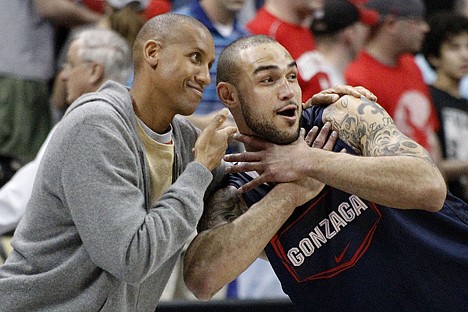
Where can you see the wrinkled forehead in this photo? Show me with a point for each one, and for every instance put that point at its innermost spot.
(265, 55)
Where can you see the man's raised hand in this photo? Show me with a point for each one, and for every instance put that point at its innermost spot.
(212, 143)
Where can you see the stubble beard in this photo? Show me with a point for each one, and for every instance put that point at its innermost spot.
(265, 129)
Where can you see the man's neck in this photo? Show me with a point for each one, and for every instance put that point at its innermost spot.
(384, 52)
(160, 122)
(448, 84)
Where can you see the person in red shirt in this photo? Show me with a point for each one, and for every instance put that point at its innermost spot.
(288, 22)
(386, 66)
(153, 8)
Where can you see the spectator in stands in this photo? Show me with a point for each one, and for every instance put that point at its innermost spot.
(95, 56)
(123, 16)
(460, 7)
(27, 65)
(340, 32)
(446, 49)
(386, 66)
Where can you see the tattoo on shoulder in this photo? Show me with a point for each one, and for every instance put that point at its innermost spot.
(369, 130)
(224, 206)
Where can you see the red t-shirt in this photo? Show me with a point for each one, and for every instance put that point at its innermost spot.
(401, 90)
(155, 7)
(300, 43)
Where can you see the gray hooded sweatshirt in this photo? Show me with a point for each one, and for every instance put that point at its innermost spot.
(90, 239)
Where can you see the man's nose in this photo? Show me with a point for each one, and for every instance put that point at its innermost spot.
(204, 76)
(286, 90)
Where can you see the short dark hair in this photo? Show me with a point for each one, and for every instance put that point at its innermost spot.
(228, 61)
(444, 26)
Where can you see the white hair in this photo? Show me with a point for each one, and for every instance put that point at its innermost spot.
(108, 48)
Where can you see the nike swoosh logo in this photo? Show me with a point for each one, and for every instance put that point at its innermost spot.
(341, 256)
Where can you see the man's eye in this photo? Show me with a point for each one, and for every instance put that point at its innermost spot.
(292, 77)
(267, 79)
(196, 58)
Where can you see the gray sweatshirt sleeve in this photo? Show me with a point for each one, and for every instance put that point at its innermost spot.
(102, 182)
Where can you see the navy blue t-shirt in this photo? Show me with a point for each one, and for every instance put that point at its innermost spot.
(339, 252)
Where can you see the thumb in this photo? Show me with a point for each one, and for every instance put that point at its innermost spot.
(323, 98)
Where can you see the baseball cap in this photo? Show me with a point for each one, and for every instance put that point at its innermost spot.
(119, 4)
(339, 14)
(397, 8)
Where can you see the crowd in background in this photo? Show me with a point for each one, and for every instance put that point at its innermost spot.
(416, 64)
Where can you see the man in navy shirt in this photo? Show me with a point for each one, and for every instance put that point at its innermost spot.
(324, 218)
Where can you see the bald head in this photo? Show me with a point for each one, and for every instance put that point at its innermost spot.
(164, 28)
(229, 64)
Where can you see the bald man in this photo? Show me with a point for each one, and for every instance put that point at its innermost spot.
(121, 184)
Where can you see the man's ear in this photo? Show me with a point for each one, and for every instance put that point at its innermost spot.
(227, 93)
(151, 52)
(97, 73)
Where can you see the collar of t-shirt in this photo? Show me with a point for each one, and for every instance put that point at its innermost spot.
(165, 138)
(224, 30)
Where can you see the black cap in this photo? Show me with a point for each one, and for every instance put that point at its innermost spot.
(339, 14)
(397, 8)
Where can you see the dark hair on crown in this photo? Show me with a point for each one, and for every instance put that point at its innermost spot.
(444, 26)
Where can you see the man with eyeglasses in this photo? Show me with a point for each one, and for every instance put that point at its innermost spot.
(94, 56)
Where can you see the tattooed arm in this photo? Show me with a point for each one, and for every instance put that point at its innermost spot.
(213, 259)
(227, 227)
(394, 171)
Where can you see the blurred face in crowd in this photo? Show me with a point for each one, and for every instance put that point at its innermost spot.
(79, 76)
(453, 60)
(411, 33)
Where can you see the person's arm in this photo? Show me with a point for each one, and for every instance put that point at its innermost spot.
(227, 226)
(65, 13)
(395, 171)
(124, 233)
(225, 230)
